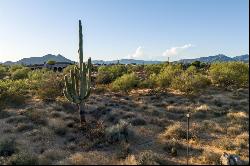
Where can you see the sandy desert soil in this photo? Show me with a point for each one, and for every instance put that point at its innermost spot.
(50, 132)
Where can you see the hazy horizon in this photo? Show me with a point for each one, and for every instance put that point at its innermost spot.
(116, 29)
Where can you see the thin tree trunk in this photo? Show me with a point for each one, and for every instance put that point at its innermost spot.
(82, 114)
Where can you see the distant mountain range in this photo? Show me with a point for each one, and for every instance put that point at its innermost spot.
(217, 58)
(40, 60)
(60, 58)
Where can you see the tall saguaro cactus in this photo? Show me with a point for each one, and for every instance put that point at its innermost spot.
(77, 86)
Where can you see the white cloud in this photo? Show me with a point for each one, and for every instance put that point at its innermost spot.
(176, 50)
(139, 53)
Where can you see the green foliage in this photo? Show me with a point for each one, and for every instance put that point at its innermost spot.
(166, 75)
(13, 91)
(126, 82)
(104, 77)
(20, 73)
(68, 68)
(106, 74)
(230, 74)
(153, 68)
(13, 68)
(190, 81)
(134, 68)
(197, 64)
(3, 71)
(51, 62)
(37, 75)
(49, 87)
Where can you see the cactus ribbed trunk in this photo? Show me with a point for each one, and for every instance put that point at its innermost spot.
(77, 86)
(81, 108)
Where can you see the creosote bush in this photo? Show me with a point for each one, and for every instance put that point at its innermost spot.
(190, 81)
(125, 82)
(13, 91)
(20, 73)
(230, 74)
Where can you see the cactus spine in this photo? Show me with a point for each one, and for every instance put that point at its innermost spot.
(77, 86)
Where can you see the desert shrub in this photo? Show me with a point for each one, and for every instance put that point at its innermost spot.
(106, 74)
(134, 68)
(50, 87)
(38, 74)
(20, 73)
(153, 68)
(230, 74)
(3, 71)
(23, 158)
(176, 131)
(68, 68)
(148, 83)
(7, 146)
(104, 77)
(148, 157)
(166, 75)
(210, 158)
(190, 81)
(117, 133)
(13, 68)
(13, 91)
(125, 82)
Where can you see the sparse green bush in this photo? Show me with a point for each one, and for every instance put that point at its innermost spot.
(104, 77)
(106, 74)
(134, 68)
(13, 68)
(13, 91)
(167, 74)
(117, 133)
(125, 82)
(68, 68)
(50, 87)
(3, 71)
(20, 73)
(153, 68)
(230, 74)
(190, 81)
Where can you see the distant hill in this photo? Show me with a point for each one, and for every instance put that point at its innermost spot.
(60, 58)
(126, 61)
(217, 58)
(40, 60)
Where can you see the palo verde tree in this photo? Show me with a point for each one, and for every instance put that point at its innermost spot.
(77, 86)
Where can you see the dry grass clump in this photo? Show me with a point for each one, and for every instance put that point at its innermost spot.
(149, 157)
(87, 158)
(23, 158)
(177, 131)
(119, 132)
(52, 156)
(209, 157)
(58, 126)
(208, 126)
(130, 160)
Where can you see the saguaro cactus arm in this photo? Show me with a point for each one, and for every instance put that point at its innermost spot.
(77, 88)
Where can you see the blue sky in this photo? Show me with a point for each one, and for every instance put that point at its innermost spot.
(115, 29)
